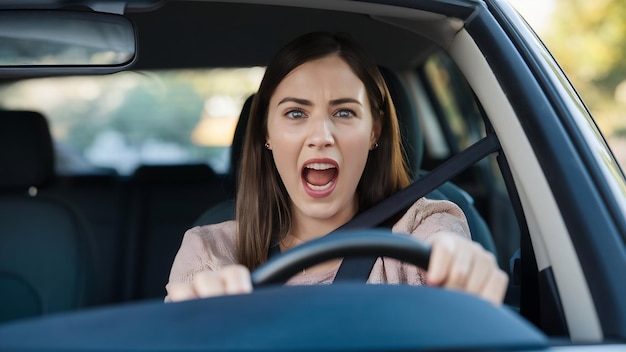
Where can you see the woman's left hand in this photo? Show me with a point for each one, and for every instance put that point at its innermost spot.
(461, 264)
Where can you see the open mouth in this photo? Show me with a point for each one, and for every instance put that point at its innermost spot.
(319, 176)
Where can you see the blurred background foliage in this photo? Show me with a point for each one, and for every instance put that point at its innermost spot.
(588, 39)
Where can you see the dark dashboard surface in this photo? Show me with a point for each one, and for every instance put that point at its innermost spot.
(338, 317)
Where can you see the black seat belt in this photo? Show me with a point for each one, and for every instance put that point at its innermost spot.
(359, 268)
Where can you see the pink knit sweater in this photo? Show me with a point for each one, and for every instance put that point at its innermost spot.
(212, 247)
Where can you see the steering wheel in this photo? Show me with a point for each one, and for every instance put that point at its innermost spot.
(355, 243)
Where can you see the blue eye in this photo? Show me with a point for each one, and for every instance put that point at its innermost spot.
(345, 113)
(295, 114)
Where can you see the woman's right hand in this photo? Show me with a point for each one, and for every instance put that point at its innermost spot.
(230, 280)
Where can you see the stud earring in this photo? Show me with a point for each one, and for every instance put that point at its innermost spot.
(267, 146)
(375, 146)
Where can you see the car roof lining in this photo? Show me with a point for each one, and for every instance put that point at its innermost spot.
(212, 27)
(204, 31)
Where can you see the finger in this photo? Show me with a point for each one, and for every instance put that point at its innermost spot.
(208, 284)
(236, 280)
(460, 266)
(441, 257)
(177, 292)
(482, 267)
(495, 288)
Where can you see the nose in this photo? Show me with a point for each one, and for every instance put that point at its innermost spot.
(320, 132)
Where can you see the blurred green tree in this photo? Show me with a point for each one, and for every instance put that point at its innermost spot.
(588, 39)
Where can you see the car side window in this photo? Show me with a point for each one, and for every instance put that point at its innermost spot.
(453, 102)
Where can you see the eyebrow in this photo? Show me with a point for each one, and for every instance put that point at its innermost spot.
(295, 100)
(344, 100)
(309, 103)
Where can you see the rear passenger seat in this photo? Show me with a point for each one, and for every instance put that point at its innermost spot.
(121, 245)
(47, 258)
(139, 221)
(100, 198)
(164, 201)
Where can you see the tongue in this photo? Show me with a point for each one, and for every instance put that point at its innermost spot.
(319, 177)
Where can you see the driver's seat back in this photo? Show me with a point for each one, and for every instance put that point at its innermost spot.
(413, 144)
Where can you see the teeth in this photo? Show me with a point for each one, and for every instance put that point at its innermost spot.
(320, 166)
(320, 188)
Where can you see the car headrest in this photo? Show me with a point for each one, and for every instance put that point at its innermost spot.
(240, 131)
(409, 124)
(26, 151)
(174, 174)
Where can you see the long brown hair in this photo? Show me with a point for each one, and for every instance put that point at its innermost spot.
(263, 207)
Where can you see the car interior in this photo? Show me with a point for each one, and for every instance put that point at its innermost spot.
(138, 221)
(74, 237)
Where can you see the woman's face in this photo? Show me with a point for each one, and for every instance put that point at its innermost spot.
(320, 130)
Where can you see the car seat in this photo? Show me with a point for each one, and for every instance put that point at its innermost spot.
(413, 144)
(46, 254)
(163, 200)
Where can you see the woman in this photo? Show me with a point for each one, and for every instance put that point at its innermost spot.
(323, 144)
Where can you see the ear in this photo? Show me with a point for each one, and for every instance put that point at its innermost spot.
(268, 144)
